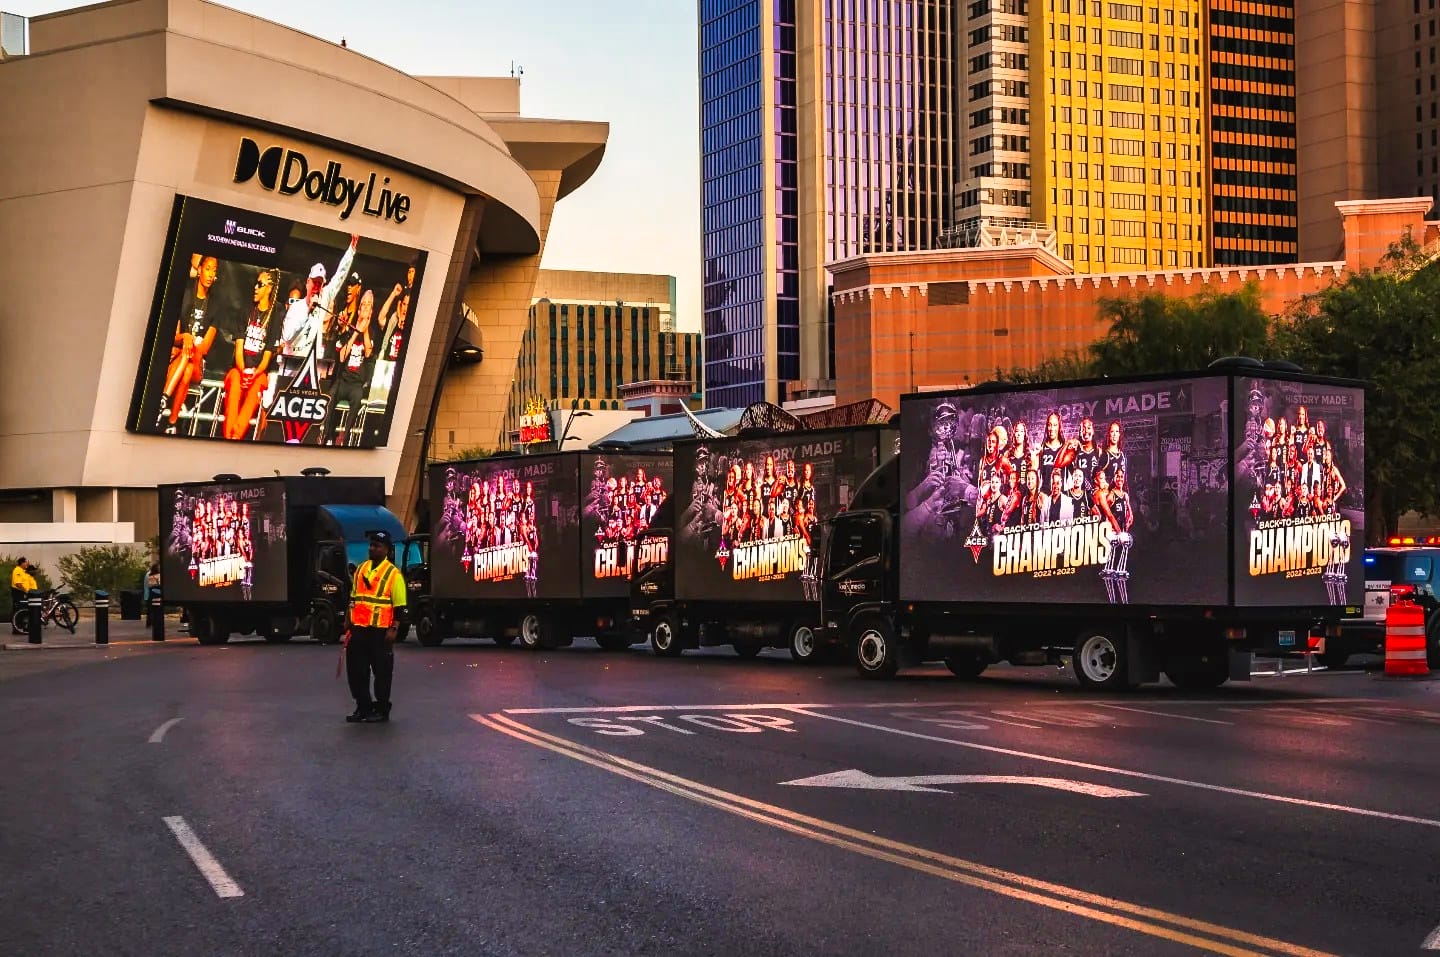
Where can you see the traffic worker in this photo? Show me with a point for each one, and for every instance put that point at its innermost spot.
(377, 600)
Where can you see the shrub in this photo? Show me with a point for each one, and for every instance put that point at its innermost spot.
(107, 567)
(7, 566)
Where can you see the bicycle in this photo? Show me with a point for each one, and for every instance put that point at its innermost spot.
(55, 609)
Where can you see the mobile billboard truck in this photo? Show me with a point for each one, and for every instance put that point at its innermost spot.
(743, 532)
(272, 556)
(540, 548)
(1132, 526)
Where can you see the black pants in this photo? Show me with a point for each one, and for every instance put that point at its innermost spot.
(353, 392)
(370, 651)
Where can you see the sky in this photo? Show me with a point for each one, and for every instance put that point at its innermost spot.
(630, 64)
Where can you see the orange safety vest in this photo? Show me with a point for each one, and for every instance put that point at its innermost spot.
(372, 602)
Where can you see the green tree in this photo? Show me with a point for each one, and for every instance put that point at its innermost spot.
(1382, 326)
(1159, 333)
(108, 567)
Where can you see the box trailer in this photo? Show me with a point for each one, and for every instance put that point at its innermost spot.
(539, 548)
(1130, 526)
(735, 560)
(271, 556)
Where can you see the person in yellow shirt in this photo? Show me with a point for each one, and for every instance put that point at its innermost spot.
(377, 600)
(22, 583)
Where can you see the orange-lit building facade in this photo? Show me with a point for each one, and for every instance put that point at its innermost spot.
(952, 317)
(1254, 189)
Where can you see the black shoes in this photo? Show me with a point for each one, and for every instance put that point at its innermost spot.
(380, 715)
(359, 714)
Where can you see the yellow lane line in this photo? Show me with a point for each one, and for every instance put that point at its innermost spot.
(1006, 883)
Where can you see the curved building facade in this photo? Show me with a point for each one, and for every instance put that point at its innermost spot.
(227, 246)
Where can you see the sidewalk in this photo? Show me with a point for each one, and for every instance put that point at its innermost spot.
(121, 633)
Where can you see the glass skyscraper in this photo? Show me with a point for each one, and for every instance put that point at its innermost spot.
(826, 132)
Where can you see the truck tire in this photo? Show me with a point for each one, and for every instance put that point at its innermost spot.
(804, 645)
(1100, 660)
(204, 627)
(967, 667)
(877, 655)
(325, 625)
(426, 631)
(538, 631)
(664, 641)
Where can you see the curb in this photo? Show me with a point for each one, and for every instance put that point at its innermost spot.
(26, 646)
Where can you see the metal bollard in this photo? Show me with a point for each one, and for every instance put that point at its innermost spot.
(35, 603)
(102, 618)
(157, 619)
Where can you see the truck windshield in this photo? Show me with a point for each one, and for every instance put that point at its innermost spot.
(414, 553)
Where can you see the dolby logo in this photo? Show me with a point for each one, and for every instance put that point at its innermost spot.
(289, 173)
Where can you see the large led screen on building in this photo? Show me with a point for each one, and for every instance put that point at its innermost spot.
(1114, 493)
(1299, 493)
(507, 528)
(749, 511)
(268, 330)
(223, 542)
(624, 495)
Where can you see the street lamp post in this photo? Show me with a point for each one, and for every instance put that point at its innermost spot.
(565, 433)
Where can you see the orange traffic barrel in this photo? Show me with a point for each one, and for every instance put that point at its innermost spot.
(1405, 640)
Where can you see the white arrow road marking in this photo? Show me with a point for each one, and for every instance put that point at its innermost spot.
(861, 780)
(159, 734)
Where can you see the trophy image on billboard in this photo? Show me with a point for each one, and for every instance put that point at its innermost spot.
(1336, 575)
(1116, 572)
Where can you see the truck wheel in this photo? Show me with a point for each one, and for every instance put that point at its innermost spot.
(804, 646)
(1100, 660)
(748, 649)
(426, 632)
(532, 631)
(876, 654)
(612, 642)
(325, 625)
(207, 631)
(664, 642)
(967, 667)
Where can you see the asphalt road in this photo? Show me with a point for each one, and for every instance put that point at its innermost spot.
(579, 802)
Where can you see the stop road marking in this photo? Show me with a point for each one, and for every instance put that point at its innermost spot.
(629, 725)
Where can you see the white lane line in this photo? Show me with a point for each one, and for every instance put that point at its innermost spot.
(1125, 772)
(636, 708)
(1191, 703)
(210, 868)
(1433, 941)
(159, 734)
(1162, 714)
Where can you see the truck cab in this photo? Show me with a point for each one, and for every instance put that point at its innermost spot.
(414, 562)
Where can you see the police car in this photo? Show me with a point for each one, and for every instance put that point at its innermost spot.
(1403, 570)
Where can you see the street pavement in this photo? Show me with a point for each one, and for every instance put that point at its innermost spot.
(174, 799)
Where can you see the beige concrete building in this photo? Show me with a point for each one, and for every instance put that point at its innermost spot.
(589, 338)
(127, 124)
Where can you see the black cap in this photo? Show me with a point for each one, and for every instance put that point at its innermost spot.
(354, 280)
(378, 536)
